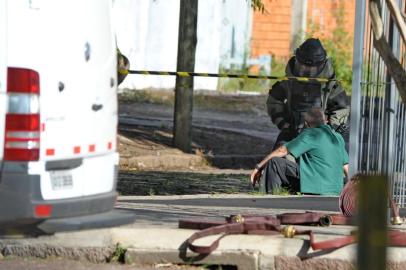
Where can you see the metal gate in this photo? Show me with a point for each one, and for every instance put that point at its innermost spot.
(378, 117)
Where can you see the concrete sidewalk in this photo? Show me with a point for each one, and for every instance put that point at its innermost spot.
(154, 237)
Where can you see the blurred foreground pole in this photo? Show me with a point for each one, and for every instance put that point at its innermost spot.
(182, 124)
(372, 202)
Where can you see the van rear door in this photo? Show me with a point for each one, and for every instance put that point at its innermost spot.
(3, 73)
(78, 86)
(70, 44)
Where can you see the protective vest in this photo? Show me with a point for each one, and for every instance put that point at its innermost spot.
(299, 97)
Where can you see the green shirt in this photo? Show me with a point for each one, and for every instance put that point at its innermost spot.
(321, 155)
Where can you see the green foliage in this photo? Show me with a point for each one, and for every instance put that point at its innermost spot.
(118, 254)
(339, 46)
(278, 68)
(254, 85)
(258, 5)
(246, 84)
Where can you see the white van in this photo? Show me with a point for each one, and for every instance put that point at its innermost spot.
(58, 109)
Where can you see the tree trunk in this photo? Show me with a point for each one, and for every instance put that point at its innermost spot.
(182, 128)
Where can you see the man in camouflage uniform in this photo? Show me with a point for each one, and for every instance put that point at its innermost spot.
(289, 100)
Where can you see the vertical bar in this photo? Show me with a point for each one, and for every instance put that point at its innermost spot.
(371, 131)
(359, 30)
(389, 109)
(401, 160)
(389, 113)
(395, 165)
(365, 89)
(395, 169)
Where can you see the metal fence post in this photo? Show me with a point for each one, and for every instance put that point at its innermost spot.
(358, 57)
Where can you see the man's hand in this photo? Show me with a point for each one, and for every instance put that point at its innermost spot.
(255, 176)
(256, 173)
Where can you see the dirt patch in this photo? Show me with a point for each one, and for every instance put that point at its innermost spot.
(230, 133)
(216, 148)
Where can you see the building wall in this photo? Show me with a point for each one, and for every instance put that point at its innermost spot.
(276, 31)
(271, 31)
(147, 33)
(322, 14)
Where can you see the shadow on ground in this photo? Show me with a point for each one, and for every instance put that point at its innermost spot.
(181, 183)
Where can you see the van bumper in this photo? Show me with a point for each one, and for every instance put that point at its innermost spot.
(112, 218)
(20, 193)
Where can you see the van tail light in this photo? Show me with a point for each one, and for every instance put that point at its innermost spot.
(43, 211)
(22, 131)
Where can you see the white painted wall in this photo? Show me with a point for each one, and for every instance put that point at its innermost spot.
(147, 33)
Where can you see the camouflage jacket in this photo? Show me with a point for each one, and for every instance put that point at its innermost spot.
(289, 100)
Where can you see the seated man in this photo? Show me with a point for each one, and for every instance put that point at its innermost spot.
(322, 158)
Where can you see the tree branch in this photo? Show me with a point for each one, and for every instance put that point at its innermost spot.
(398, 18)
(393, 65)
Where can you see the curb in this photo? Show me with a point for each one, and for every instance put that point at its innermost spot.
(246, 260)
(43, 251)
(250, 252)
(167, 161)
(150, 246)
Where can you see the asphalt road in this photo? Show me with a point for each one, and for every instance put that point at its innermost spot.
(167, 210)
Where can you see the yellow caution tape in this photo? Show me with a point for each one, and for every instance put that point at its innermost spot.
(224, 75)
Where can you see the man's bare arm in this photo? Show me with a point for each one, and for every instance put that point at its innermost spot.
(279, 152)
(256, 173)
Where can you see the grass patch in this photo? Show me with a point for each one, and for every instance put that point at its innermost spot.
(151, 192)
(257, 193)
(205, 100)
(151, 96)
(281, 191)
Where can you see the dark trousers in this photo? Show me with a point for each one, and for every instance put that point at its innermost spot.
(284, 136)
(280, 172)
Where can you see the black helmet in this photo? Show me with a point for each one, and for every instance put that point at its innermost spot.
(311, 53)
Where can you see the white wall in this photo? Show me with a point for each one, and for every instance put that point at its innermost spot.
(147, 33)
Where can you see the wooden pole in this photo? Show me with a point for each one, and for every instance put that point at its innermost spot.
(397, 17)
(393, 65)
(182, 128)
(372, 218)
